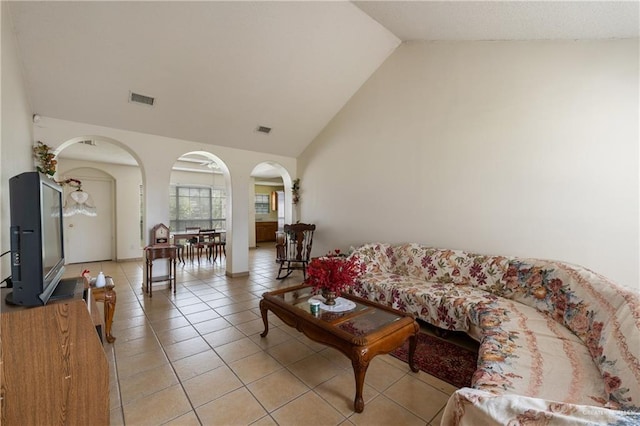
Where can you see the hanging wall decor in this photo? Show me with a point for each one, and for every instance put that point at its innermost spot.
(295, 191)
(46, 159)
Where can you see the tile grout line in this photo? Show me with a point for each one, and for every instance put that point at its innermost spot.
(224, 287)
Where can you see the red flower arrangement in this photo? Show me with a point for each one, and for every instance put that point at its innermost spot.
(333, 272)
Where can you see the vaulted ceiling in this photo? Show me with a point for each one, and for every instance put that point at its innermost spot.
(218, 70)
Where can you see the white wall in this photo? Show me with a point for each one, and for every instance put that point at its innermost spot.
(514, 148)
(17, 136)
(252, 216)
(156, 155)
(193, 178)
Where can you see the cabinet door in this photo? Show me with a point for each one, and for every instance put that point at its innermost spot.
(259, 232)
(266, 231)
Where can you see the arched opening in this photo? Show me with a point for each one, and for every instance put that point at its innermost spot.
(112, 175)
(272, 206)
(200, 197)
(90, 238)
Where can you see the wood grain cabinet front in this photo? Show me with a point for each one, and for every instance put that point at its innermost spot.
(266, 231)
(53, 368)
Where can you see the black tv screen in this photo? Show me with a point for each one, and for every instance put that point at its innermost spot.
(37, 240)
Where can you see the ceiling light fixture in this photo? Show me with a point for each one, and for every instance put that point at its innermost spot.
(78, 201)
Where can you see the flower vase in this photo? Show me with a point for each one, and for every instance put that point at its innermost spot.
(329, 297)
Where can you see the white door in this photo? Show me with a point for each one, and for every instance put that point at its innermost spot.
(87, 238)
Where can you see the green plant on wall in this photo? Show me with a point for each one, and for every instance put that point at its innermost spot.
(44, 156)
(295, 191)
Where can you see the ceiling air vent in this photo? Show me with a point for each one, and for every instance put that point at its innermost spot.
(141, 99)
(263, 129)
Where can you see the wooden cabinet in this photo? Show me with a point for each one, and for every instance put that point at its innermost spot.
(266, 231)
(53, 368)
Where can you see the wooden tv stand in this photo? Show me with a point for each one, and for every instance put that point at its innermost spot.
(53, 368)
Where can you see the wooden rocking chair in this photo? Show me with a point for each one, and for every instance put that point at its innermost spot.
(293, 249)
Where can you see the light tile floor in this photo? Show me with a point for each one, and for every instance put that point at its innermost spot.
(197, 358)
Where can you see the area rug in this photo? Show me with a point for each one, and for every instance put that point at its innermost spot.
(442, 359)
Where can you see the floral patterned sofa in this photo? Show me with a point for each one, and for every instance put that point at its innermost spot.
(559, 344)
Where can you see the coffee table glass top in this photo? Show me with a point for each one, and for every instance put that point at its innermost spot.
(359, 321)
(368, 322)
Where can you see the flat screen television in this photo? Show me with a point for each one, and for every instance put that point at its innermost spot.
(37, 240)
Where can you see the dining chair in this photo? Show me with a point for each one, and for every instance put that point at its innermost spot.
(220, 245)
(179, 250)
(192, 242)
(206, 241)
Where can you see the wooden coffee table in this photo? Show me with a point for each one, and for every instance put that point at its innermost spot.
(361, 333)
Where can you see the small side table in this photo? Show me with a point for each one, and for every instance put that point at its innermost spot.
(160, 252)
(106, 295)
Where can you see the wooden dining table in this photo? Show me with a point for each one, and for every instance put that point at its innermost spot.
(176, 236)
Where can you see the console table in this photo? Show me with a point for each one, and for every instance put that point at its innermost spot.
(160, 252)
(53, 369)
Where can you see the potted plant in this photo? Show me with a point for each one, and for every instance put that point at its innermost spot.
(332, 274)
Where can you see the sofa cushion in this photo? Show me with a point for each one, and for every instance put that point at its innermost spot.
(375, 256)
(526, 352)
(604, 316)
(444, 305)
(614, 333)
(435, 265)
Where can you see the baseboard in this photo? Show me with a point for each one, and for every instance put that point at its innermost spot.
(237, 274)
(131, 259)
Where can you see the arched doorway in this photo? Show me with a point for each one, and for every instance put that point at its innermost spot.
(272, 206)
(200, 194)
(111, 174)
(91, 238)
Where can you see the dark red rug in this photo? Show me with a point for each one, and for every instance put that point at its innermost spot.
(442, 359)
